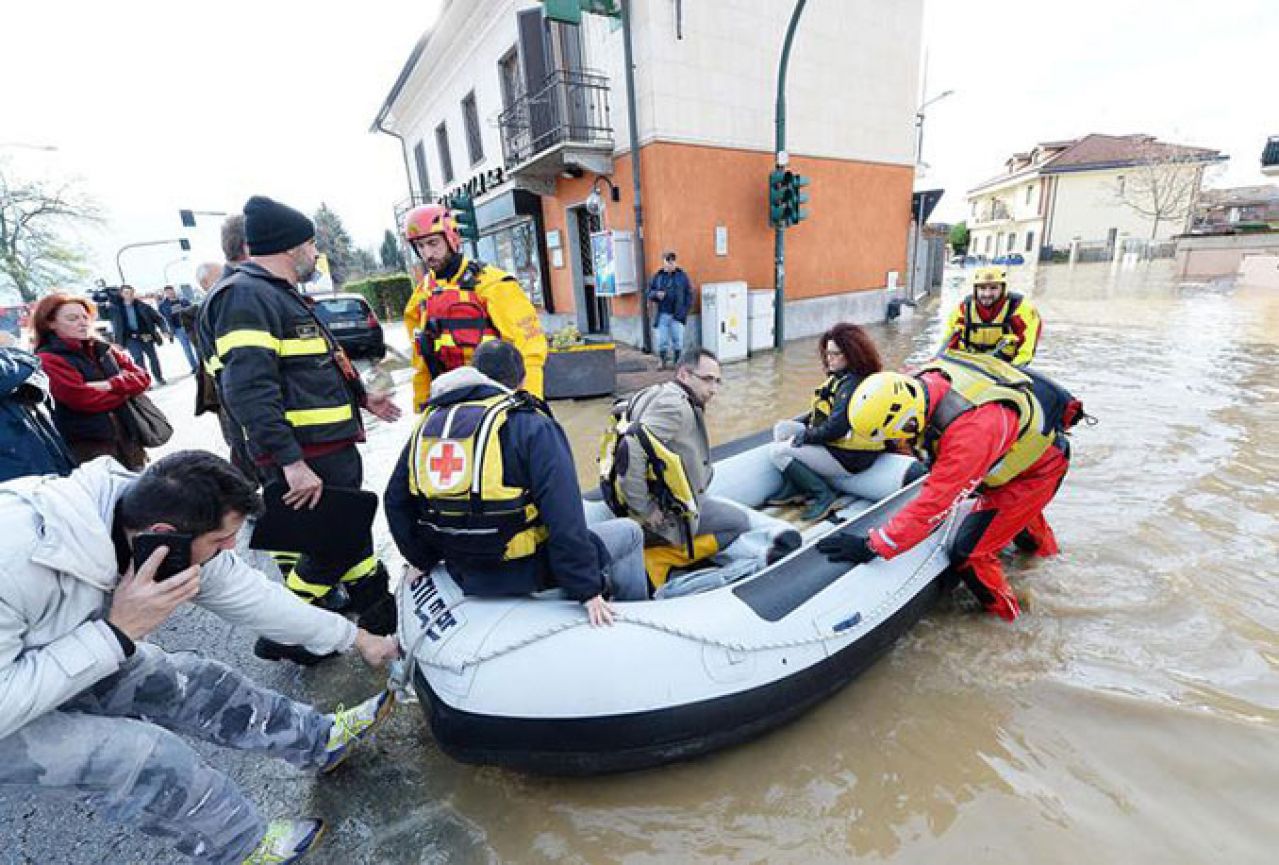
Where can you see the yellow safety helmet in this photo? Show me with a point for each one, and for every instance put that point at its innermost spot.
(991, 276)
(886, 406)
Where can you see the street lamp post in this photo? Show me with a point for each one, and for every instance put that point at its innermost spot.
(181, 241)
(919, 160)
(23, 145)
(781, 158)
(167, 279)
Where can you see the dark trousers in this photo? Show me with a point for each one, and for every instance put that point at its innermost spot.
(138, 348)
(313, 576)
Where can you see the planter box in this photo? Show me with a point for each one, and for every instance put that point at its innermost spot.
(583, 370)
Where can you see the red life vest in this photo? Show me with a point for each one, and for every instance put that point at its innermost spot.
(455, 321)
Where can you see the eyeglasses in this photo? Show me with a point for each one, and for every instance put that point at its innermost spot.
(833, 352)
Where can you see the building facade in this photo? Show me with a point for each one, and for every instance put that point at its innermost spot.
(1092, 192)
(530, 116)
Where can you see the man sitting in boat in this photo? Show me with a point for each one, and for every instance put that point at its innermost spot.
(655, 467)
(810, 453)
(975, 418)
(994, 320)
(487, 484)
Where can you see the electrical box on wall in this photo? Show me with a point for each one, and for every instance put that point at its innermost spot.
(725, 315)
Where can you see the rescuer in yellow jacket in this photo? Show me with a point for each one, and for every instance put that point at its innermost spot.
(994, 320)
(461, 303)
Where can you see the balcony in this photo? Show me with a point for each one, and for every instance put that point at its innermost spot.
(1270, 157)
(563, 124)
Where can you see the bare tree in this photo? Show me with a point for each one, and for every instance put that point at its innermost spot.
(35, 215)
(1163, 185)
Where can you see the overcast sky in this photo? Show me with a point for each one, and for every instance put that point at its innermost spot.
(161, 106)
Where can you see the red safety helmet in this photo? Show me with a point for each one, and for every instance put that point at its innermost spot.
(428, 219)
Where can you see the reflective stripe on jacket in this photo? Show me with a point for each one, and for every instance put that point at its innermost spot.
(280, 374)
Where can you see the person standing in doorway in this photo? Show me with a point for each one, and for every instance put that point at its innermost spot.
(170, 307)
(672, 292)
(138, 327)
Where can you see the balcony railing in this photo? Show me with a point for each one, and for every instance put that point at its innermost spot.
(570, 107)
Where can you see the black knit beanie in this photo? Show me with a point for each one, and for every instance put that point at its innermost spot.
(271, 227)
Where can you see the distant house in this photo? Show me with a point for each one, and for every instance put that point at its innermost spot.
(1241, 208)
(1085, 190)
(1270, 157)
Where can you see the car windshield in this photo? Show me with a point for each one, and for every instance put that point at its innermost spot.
(341, 307)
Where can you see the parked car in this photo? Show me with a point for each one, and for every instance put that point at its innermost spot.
(1010, 258)
(353, 323)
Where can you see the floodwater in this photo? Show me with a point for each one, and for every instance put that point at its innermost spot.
(1132, 715)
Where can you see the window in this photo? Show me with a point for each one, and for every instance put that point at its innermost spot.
(471, 118)
(423, 178)
(1012, 241)
(508, 72)
(1030, 192)
(1030, 240)
(446, 158)
(1119, 183)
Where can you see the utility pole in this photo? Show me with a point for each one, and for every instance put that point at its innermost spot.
(641, 271)
(779, 232)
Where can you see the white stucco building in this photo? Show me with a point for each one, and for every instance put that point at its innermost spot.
(1091, 191)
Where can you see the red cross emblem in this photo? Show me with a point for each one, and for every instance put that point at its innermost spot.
(443, 461)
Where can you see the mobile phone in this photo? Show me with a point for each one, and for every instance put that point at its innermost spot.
(177, 560)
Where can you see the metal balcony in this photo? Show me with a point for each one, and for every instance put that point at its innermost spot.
(564, 123)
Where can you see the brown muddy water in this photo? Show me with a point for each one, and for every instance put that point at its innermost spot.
(1132, 715)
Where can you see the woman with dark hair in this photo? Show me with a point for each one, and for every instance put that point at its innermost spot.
(88, 379)
(823, 446)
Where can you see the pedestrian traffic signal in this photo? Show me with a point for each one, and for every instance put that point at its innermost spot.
(786, 198)
(464, 212)
(184, 244)
(187, 217)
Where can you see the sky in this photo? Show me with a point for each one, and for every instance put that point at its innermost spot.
(161, 106)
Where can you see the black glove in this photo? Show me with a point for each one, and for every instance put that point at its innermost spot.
(847, 548)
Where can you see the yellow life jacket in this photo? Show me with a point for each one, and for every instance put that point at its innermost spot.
(455, 474)
(822, 406)
(980, 335)
(978, 379)
(666, 476)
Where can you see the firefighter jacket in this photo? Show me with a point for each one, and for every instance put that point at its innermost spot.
(533, 466)
(280, 374)
(980, 433)
(1009, 329)
(473, 291)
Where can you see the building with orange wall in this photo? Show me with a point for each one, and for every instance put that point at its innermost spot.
(536, 111)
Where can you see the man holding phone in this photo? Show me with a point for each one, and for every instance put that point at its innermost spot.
(87, 707)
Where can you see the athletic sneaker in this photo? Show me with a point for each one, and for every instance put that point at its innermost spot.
(286, 841)
(354, 725)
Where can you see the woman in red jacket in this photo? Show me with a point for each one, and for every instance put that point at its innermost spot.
(88, 379)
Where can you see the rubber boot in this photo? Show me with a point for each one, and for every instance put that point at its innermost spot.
(789, 494)
(372, 602)
(821, 496)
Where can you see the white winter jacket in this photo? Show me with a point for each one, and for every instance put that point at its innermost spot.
(57, 572)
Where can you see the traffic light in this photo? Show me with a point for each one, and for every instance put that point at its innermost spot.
(464, 212)
(184, 244)
(798, 198)
(786, 198)
(187, 217)
(777, 198)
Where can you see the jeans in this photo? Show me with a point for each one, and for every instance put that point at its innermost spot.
(139, 348)
(180, 334)
(624, 540)
(116, 746)
(670, 334)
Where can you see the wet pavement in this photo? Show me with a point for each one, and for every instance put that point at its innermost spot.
(1131, 715)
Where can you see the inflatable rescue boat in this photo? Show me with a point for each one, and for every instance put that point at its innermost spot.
(528, 684)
